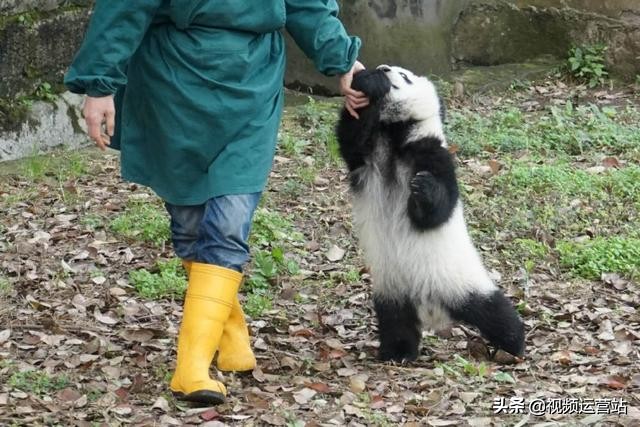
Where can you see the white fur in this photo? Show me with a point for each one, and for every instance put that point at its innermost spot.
(439, 265)
(418, 101)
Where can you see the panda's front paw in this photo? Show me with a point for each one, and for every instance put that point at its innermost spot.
(422, 184)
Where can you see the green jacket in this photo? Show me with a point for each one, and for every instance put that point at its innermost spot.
(199, 85)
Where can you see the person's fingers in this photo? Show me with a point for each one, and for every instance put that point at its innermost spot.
(105, 141)
(348, 91)
(351, 110)
(359, 105)
(94, 123)
(357, 99)
(111, 122)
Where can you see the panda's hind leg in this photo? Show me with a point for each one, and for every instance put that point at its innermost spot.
(399, 328)
(496, 318)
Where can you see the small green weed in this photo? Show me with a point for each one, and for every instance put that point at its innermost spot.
(267, 265)
(293, 188)
(5, 286)
(142, 221)
(272, 229)
(291, 146)
(94, 395)
(45, 92)
(307, 174)
(469, 368)
(529, 249)
(257, 303)
(349, 277)
(462, 367)
(168, 282)
(503, 377)
(587, 64)
(92, 221)
(161, 373)
(39, 383)
(601, 255)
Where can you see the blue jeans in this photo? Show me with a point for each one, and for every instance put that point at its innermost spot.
(215, 232)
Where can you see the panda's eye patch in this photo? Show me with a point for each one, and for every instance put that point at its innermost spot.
(406, 79)
(394, 86)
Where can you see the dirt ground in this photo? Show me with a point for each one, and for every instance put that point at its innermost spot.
(80, 346)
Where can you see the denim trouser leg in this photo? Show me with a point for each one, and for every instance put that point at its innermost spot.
(215, 232)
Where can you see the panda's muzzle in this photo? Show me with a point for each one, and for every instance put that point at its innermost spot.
(374, 83)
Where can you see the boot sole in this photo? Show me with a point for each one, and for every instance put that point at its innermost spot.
(203, 397)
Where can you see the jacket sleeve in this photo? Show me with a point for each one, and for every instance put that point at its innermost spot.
(316, 29)
(115, 31)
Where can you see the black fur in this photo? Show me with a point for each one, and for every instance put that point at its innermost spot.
(399, 329)
(495, 317)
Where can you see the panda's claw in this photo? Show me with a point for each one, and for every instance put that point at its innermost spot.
(420, 182)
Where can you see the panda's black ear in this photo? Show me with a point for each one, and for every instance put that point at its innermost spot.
(374, 83)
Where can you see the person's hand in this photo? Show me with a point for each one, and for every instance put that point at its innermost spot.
(99, 111)
(353, 99)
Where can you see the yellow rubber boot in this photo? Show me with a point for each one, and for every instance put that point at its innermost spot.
(207, 306)
(234, 351)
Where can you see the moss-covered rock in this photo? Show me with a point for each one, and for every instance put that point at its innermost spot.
(499, 32)
(37, 47)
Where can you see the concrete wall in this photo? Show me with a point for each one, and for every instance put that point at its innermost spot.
(412, 33)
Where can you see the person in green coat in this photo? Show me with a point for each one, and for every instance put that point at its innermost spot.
(191, 93)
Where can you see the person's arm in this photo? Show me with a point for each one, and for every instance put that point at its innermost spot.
(316, 29)
(99, 67)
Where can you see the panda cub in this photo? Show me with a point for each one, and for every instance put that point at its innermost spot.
(409, 219)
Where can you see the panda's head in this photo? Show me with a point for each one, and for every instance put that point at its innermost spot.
(399, 94)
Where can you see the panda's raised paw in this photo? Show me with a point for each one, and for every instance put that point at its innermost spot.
(422, 182)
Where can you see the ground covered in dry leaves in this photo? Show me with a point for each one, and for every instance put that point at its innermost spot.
(90, 296)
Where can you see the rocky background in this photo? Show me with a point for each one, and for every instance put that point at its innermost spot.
(38, 39)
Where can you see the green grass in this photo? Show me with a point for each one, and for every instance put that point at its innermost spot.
(272, 234)
(62, 165)
(37, 382)
(546, 194)
(601, 255)
(169, 281)
(559, 198)
(267, 266)
(567, 130)
(142, 221)
(319, 119)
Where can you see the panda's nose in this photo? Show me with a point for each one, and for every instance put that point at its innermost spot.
(384, 68)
